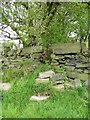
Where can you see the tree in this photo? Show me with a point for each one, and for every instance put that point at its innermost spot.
(37, 23)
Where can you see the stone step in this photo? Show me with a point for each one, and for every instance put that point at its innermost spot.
(58, 76)
(47, 74)
(58, 87)
(39, 98)
(43, 80)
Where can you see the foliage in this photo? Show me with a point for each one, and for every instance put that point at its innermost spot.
(64, 104)
(46, 23)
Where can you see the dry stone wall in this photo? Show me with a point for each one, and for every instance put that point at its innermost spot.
(73, 58)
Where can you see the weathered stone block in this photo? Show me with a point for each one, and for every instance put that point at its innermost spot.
(83, 45)
(72, 74)
(70, 68)
(83, 76)
(53, 56)
(79, 70)
(86, 71)
(62, 61)
(54, 61)
(58, 87)
(67, 48)
(30, 50)
(47, 74)
(39, 98)
(35, 56)
(81, 65)
(73, 84)
(87, 83)
(55, 64)
(58, 82)
(58, 77)
(45, 80)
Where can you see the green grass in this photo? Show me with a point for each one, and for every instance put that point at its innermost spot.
(64, 104)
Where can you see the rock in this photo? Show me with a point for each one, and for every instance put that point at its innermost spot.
(58, 87)
(39, 80)
(79, 70)
(30, 50)
(70, 64)
(66, 48)
(53, 56)
(5, 67)
(87, 83)
(55, 64)
(73, 84)
(84, 59)
(77, 83)
(36, 56)
(80, 65)
(61, 62)
(70, 68)
(86, 71)
(11, 53)
(54, 61)
(86, 54)
(61, 57)
(67, 56)
(83, 45)
(58, 82)
(72, 74)
(58, 77)
(56, 58)
(5, 86)
(83, 76)
(47, 74)
(39, 98)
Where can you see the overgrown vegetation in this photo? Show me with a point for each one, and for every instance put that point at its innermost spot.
(43, 24)
(46, 23)
(64, 104)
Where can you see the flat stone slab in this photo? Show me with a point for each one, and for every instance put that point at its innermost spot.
(74, 84)
(5, 86)
(47, 74)
(83, 76)
(58, 87)
(43, 80)
(87, 83)
(66, 48)
(29, 50)
(39, 98)
(81, 65)
(57, 77)
(72, 74)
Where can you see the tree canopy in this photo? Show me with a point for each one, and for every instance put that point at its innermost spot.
(46, 23)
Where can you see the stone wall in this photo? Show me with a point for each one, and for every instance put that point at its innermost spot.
(73, 58)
